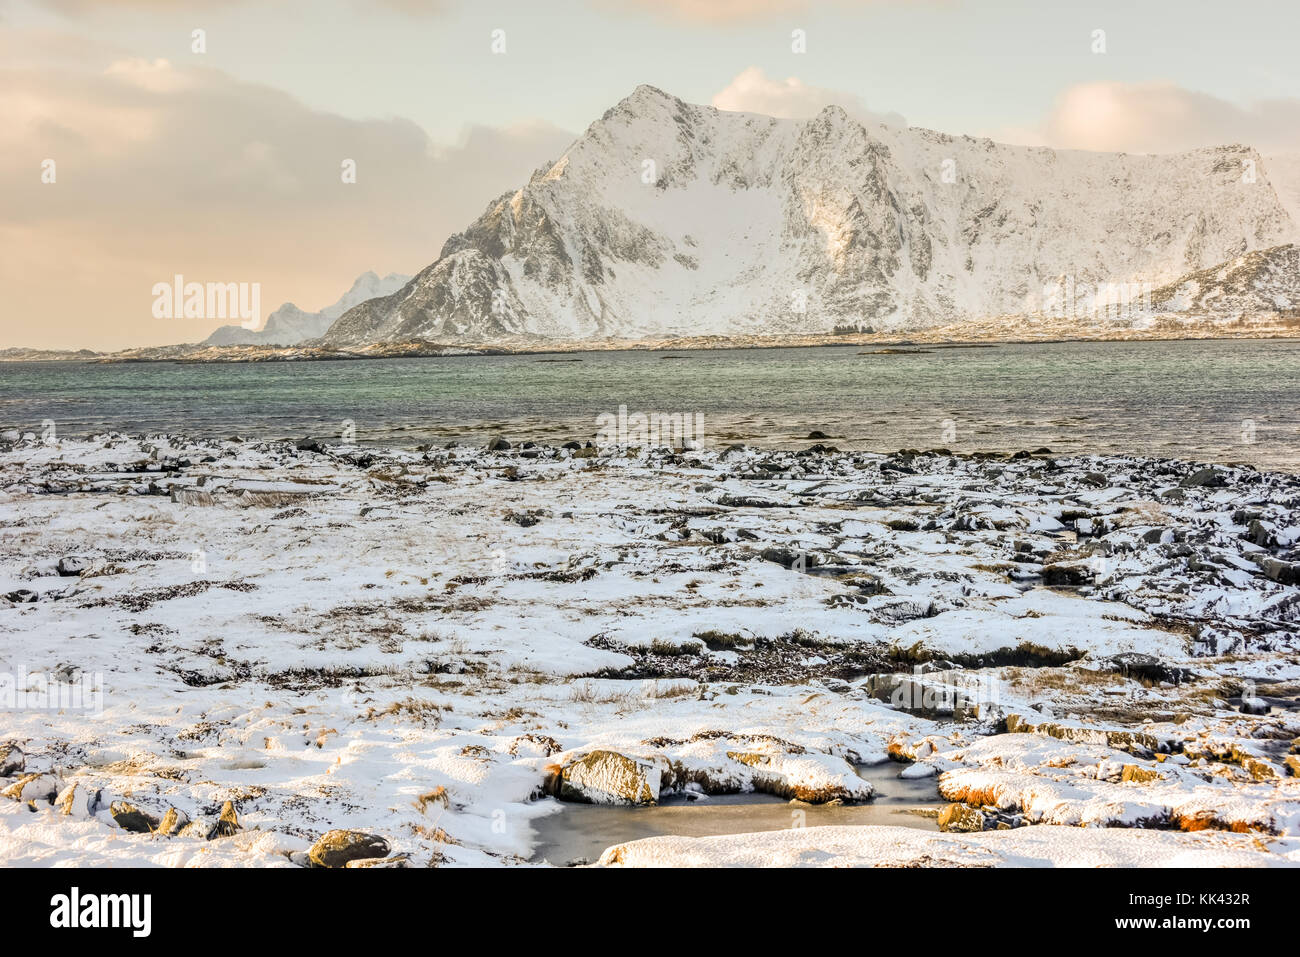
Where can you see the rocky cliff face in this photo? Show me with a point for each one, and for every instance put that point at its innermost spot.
(666, 218)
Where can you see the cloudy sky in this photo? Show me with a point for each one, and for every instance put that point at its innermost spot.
(224, 165)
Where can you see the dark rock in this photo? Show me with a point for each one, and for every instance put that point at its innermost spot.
(131, 818)
(815, 434)
(1204, 478)
(1067, 573)
(339, 847)
(71, 565)
(498, 444)
(1095, 478)
(12, 760)
(310, 445)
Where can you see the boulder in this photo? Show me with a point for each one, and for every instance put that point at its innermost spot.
(12, 760)
(498, 444)
(173, 822)
(78, 801)
(1138, 774)
(35, 787)
(1204, 478)
(339, 848)
(131, 818)
(71, 565)
(607, 777)
(962, 818)
(227, 823)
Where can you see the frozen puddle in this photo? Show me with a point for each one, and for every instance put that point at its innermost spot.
(579, 833)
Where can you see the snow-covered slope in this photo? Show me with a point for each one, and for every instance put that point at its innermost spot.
(1266, 280)
(666, 218)
(289, 325)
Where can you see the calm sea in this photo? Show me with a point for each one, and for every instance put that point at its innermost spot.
(1209, 400)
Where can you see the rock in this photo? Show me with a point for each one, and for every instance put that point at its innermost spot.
(498, 444)
(607, 777)
(23, 596)
(1095, 478)
(173, 822)
(1067, 573)
(35, 787)
(1260, 534)
(816, 434)
(309, 445)
(1292, 764)
(12, 760)
(962, 818)
(201, 828)
(1138, 774)
(227, 823)
(1204, 478)
(71, 565)
(131, 818)
(571, 445)
(340, 847)
(1284, 573)
(10, 435)
(78, 801)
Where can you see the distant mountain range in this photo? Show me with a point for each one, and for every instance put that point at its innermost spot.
(668, 219)
(289, 325)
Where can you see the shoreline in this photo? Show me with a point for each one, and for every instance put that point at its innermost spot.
(439, 647)
(938, 338)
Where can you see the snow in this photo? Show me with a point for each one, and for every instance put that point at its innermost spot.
(389, 654)
(1045, 846)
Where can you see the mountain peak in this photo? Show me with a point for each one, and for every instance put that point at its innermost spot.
(669, 219)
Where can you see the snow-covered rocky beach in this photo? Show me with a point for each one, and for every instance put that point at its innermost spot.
(298, 653)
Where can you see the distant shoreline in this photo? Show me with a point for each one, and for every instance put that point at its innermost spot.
(937, 338)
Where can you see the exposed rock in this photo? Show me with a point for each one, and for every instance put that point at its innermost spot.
(1284, 573)
(227, 823)
(78, 801)
(962, 818)
(498, 444)
(131, 818)
(814, 778)
(35, 787)
(607, 777)
(1204, 478)
(173, 822)
(71, 565)
(1067, 573)
(1138, 774)
(340, 847)
(12, 760)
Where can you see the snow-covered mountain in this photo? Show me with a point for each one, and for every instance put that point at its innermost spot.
(1266, 280)
(666, 218)
(289, 325)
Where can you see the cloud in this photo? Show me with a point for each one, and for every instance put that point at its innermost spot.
(1159, 118)
(727, 11)
(752, 91)
(162, 170)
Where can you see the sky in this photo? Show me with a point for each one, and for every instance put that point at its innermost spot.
(223, 163)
